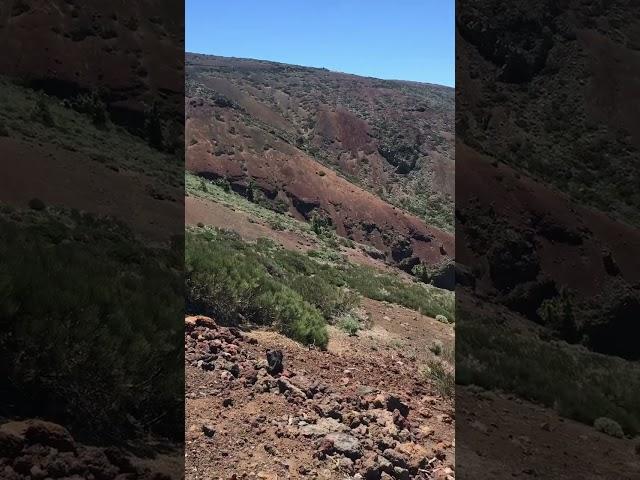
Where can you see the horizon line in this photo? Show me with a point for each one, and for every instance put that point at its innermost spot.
(324, 68)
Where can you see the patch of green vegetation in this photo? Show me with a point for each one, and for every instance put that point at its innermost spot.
(608, 426)
(89, 319)
(327, 262)
(327, 255)
(417, 296)
(229, 280)
(442, 376)
(349, 324)
(220, 191)
(436, 348)
(580, 384)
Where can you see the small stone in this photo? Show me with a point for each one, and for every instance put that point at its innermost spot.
(37, 472)
(346, 444)
(208, 430)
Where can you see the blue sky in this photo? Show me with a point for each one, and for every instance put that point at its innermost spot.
(392, 39)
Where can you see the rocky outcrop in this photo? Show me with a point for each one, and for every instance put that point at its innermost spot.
(37, 449)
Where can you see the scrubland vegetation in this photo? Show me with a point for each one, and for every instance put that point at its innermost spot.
(576, 382)
(89, 322)
(297, 293)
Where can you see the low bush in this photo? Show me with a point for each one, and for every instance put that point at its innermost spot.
(436, 348)
(608, 426)
(89, 320)
(230, 282)
(441, 376)
(349, 324)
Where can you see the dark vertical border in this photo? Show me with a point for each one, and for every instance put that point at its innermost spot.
(91, 239)
(547, 235)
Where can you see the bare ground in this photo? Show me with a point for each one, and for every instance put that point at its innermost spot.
(359, 388)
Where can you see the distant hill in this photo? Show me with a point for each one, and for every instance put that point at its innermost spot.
(373, 157)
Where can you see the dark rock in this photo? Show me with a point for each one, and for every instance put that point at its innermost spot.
(120, 459)
(395, 457)
(274, 361)
(394, 403)
(208, 430)
(401, 473)
(10, 444)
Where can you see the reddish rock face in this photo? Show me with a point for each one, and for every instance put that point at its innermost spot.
(321, 157)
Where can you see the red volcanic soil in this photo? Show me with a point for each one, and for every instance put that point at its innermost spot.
(239, 425)
(133, 49)
(518, 200)
(281, 170)
(69, 179)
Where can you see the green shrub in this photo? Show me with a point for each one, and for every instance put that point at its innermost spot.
(326, 297)
(350, 325)
(90, 320)
(277, 224)
(230, 282)
(443, 379)
(41, 112)
(320, 223)
(558, 314)
(608, 426)
(4, 131)
(92, 105)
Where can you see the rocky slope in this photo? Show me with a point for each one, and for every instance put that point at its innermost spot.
(262, 406)
(36, 449)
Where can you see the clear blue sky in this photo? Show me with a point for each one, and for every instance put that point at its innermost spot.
(392, 39)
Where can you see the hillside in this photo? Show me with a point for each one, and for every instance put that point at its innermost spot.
(130, 55)
(320, 144)
(392, 138)
(91, 191)
(299, 247)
